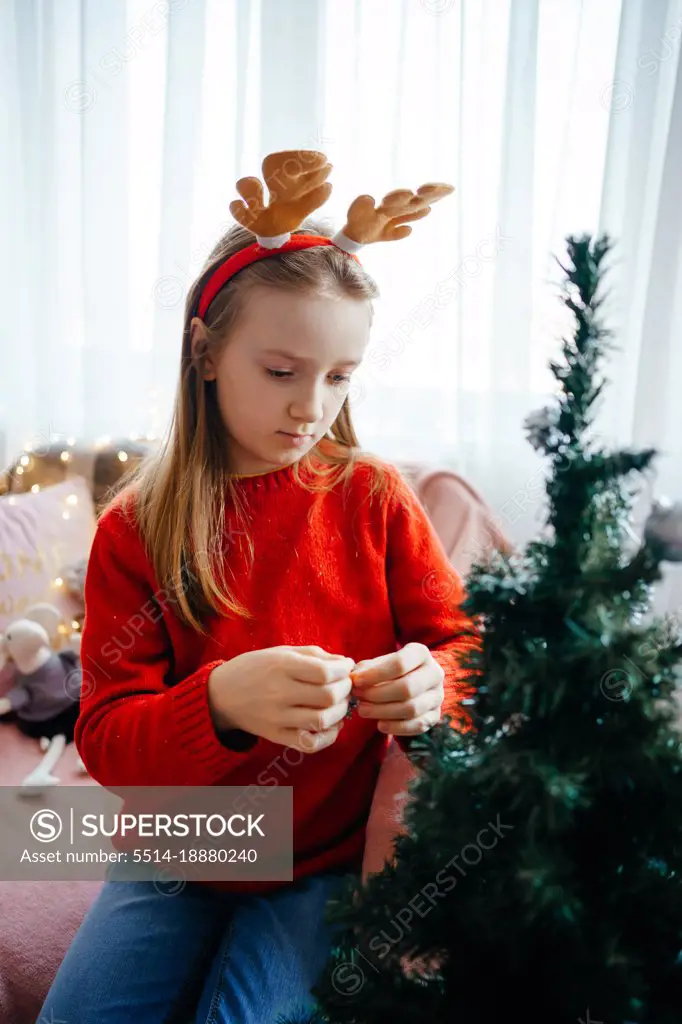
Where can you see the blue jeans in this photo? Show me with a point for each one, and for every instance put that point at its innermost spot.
(196, 956)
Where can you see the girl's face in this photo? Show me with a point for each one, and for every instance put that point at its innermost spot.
(285, 370)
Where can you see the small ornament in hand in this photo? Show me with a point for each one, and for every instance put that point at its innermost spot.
(403, 690)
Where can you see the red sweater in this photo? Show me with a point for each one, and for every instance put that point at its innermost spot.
(359, 580)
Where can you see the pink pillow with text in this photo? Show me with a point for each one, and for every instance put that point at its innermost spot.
(41, 534)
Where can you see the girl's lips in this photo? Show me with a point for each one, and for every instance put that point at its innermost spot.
(295, 439)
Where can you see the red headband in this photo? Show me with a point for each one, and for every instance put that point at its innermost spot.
(250, 254)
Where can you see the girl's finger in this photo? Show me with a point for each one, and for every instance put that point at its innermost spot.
(307, 741)
(410, 727)
(408, 687)
(311, 668)
(318, 695)
(388, 667)
(314, 719)
(400, 710)
(317, 650)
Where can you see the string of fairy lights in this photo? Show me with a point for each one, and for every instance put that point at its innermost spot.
(27, 458)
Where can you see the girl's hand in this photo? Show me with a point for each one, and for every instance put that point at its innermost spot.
(403, 690)
(295, 696)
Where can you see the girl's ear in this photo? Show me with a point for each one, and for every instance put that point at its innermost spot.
(199, 343)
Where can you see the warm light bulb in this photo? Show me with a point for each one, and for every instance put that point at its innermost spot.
(20, 470)
(24, 460)
(65, 456)
(35, 488)
(75, 625)
(59, 582)
(123, 456)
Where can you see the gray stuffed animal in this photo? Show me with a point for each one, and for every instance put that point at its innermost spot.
(44, 699)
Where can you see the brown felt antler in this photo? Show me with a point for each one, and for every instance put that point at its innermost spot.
(388, 222)
(296, 186)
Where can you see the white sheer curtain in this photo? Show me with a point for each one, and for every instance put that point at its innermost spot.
(126, 124)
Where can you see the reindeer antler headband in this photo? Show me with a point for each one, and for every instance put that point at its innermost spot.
(297, 185)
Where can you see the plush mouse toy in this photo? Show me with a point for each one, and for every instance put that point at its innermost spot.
(45, 696)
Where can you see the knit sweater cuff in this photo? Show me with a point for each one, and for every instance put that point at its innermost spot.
(237, 739)
(213, 751)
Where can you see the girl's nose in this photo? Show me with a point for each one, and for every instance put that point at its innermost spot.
(308, 407)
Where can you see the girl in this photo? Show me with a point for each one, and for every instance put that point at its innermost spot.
(250, 574)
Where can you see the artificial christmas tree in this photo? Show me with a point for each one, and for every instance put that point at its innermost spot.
(540, 875)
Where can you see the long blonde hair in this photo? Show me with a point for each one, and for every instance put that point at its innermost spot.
(177, 495)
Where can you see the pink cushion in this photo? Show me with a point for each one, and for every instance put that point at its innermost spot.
(40, 534)
(39, 920)
(464, 522)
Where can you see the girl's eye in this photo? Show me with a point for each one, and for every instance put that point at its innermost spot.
(283, 374)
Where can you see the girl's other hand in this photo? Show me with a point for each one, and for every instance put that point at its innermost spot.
(402, 690)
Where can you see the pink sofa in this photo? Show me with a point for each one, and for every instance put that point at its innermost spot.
(39, 919)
